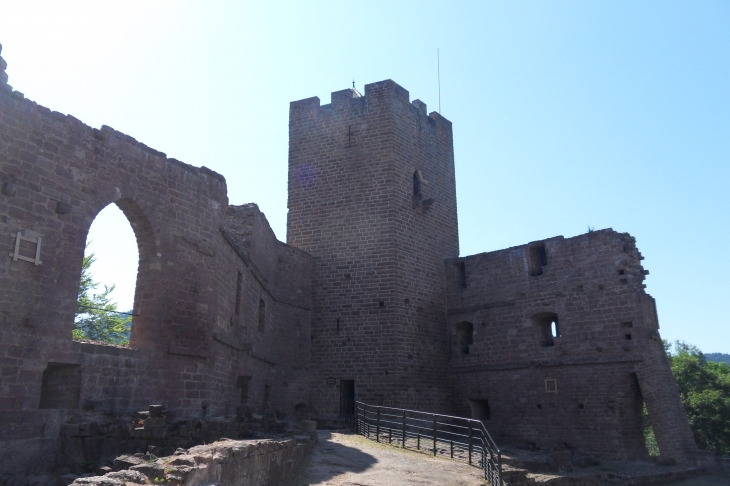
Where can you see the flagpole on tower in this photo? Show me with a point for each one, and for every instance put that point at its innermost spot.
(438, 73)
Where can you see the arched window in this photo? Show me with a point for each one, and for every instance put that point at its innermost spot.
(108, 280)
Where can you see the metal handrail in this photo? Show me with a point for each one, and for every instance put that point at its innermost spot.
(456, 437)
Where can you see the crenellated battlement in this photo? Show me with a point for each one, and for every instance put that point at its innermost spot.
(387, 91)
(3, 67)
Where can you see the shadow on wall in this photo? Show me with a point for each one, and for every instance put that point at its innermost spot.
(330, 460)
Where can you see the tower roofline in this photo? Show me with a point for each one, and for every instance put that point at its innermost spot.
(342, 98)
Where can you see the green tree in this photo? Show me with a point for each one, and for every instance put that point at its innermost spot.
(704, 388)
(97, 317)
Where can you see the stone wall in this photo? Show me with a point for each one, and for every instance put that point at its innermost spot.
(225, 463)
(378, 281)
(197, 343)
(562, 388)
(553, 344)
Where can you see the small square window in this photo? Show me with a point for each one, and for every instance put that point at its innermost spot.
(551, 385)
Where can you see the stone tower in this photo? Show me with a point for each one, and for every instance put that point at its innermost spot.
(372, 197)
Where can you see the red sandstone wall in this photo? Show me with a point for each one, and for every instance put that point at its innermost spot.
(187, 351)
(378, 268)
(277, 346)
(593, 283)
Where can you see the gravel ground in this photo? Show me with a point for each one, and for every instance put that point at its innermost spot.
(343, 459)
(351, 460)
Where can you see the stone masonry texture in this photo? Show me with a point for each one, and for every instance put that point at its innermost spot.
(379, 300)
(368, 299)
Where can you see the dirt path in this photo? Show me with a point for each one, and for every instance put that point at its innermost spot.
(350, 460)
(344, 459)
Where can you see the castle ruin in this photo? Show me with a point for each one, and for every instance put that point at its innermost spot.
(553, 344)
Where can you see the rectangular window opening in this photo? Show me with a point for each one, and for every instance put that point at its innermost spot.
(464, 336)
(548, 328)
(480, 409)
(242, 383)
(239, 289)
(537, 259)
(461, 268)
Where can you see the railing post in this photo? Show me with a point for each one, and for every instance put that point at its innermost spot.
(354, 417)
(434, 435)
(365, 419)
(361, 414)
(499, 465)
(377, 427)
(404, 429)
(470, 443)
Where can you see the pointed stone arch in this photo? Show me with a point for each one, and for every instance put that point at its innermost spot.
(148, 263)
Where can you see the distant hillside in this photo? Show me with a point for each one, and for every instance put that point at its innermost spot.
(718, 357)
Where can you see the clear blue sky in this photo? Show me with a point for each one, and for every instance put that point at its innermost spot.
(567, 114)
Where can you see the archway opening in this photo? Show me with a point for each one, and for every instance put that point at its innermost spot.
(105, 306)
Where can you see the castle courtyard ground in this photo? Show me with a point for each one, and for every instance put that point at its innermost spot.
(343, 459)
(350, 460)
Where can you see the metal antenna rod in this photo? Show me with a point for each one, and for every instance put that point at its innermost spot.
(438, 71)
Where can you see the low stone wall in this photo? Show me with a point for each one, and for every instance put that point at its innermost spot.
(224, 463)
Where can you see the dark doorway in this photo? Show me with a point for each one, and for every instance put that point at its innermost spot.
(300, 412)
(347, 397)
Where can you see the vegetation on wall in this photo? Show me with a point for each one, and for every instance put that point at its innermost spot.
(97, 317)
(704, 387)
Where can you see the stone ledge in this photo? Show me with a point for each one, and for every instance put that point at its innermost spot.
(226, 462)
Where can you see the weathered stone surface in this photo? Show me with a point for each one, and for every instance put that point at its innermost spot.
(125, 462)
(227, 462)
(378, 312)
(605, 363)
(309, 425)
(205, 267)
(369, 300)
